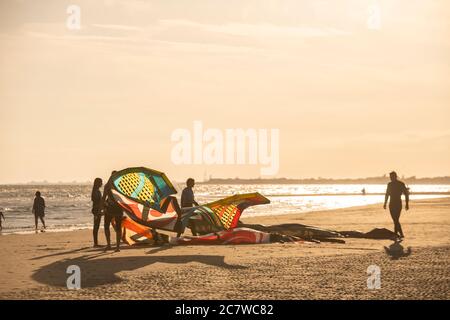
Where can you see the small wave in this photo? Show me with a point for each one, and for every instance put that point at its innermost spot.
(52, 228)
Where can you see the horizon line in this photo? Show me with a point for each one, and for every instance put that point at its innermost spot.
(45, 182)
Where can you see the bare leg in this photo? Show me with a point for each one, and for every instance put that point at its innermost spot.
(36, 222)
(395, 214)
(43, 222)
(193, 229)
(178, 227)
(97, 219)
(155, 236)
(399, 227)
(118, 227)
(107, 232)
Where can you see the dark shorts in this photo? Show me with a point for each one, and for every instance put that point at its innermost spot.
(395, 208)
(39, 215)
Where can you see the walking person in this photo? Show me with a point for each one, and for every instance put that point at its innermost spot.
(394, 192)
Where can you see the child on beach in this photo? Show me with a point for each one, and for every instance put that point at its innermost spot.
(39, 209)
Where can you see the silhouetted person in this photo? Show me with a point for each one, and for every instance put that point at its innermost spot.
(188, 200)
(39, 209)
(1, 217)
(394, 191)
(363, 191)
(96, 197)
(187, 196)
(113, 211)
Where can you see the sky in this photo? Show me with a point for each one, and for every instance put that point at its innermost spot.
(355, 88)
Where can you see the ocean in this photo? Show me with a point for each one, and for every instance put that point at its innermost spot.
(69, 206)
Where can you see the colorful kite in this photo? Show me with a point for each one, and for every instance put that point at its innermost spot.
(223, 214)
(146, 198)
(233, 236)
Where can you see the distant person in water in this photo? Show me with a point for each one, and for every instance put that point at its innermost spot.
(394, 191)
(96, 197)
(39, 209)
(1, 217)
(112, 212)
(363, 191)
(187, 196)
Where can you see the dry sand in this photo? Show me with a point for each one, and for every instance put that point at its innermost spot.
(34, 266)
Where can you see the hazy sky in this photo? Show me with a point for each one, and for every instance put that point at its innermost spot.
(349, 101)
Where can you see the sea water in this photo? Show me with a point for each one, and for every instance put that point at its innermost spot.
(69, 206)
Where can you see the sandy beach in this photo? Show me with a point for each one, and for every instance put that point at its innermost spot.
(34, 266)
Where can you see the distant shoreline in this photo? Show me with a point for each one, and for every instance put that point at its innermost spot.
(364, 181)
(368, 181)
(28, 230)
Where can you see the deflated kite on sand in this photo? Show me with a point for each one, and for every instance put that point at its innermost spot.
(146, 197)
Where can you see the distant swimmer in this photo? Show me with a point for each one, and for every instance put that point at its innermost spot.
(394, 190)
(363, 191)
(39, 209)
(1, 217)
(96, 197)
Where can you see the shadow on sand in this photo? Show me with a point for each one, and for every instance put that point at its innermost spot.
(99, 271)
(101, 250)
(396, 250)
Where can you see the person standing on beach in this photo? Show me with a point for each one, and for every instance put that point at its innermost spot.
(394, 191)
(112, 212)
(1, 216)
(39, 209)
(188, 201)
(96, 197)
(187, 196)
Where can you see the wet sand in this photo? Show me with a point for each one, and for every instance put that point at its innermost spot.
(34, 266)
